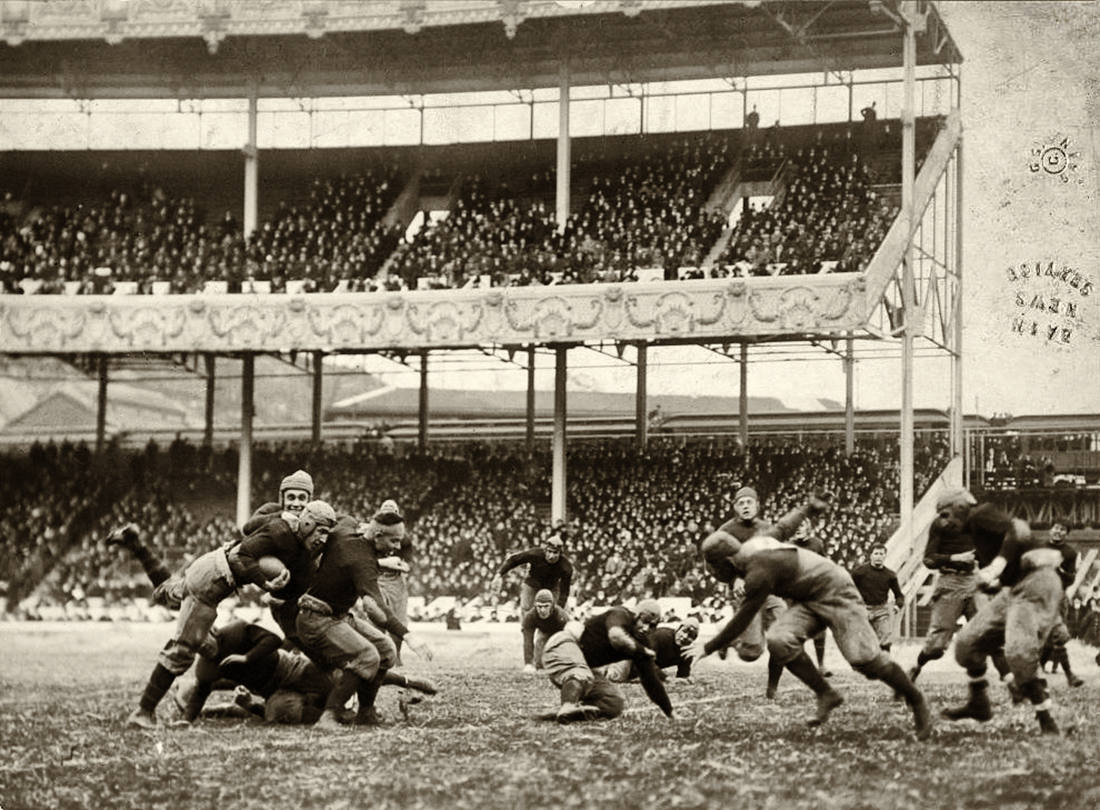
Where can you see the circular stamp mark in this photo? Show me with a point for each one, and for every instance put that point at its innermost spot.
(1055, 158)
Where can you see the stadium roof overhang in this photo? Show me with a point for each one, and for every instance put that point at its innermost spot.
(282, 49)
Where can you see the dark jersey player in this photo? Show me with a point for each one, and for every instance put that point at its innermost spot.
(362, 650)
(670, 645)
(574, 657)
(547, 569)
(1024, 572)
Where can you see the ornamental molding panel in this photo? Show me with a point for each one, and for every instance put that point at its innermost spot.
(696, 310)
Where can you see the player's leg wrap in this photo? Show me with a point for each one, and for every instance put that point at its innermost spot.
(159, 683)
(775, 673)
(153, 566)
(346, 686)
(368, 693)
(977, 706)
(883, 668)
(803, 668)
(1037, 693)
(196, 700)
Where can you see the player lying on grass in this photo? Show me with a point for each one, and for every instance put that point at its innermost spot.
(574, 657)
(821, 595)
(248, 655)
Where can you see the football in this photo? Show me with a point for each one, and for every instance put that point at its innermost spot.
(271, 567)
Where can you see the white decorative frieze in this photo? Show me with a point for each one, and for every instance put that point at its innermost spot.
(702, 310)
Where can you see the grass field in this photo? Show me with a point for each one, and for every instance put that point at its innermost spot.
(67, 687)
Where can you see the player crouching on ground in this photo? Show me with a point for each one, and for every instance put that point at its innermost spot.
(821, 595)
(670, 644)
(572, 656)
(539, 624)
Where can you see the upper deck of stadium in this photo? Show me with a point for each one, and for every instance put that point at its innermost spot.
(230, 48)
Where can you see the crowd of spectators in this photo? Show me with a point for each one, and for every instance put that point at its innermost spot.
(643, 210)
(636, 518)
(826, 213)
(146, 241)
(639, 207)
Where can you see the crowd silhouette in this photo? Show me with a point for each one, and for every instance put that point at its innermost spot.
(636, 517)
(643, 208)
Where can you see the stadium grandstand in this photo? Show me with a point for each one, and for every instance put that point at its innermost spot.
(203, 194)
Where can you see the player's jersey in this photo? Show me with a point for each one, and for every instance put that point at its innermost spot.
(349, 570)
(557, 575)
(787, 571)
(782, 529)
(554, 622)
(669, 654)
(982, 533)
(876, 584)
(1021, 556)
(276, 539)
(595, 642)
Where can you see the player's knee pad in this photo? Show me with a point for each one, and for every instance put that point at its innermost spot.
(177, 658)
(365, 663)
(387, 652)
(876, 669)
(783, 648)
(749, 652)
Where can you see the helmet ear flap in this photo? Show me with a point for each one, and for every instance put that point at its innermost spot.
(315, 513)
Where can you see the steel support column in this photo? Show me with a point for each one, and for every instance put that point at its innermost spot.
(531, 399)
(558, 507)
(422, 435)
(102, 372)
(318, 395)
(641, 408)
(908, 291)
(244, 465)
(565, 157)
(251, 167)
(211, 385)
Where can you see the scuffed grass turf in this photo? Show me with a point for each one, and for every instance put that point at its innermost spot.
(68, 688)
